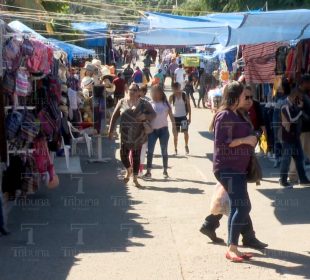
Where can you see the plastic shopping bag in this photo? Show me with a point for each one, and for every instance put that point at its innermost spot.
(220, 201)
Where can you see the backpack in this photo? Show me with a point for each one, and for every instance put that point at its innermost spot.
(184, 99)
(13, 124)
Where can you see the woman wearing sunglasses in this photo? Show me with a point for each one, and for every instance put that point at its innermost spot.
(133, 112)
(233, 146)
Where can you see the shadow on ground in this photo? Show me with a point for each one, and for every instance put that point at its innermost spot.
(299, 263)
(207, 134)
(87, 213)
(291, 206)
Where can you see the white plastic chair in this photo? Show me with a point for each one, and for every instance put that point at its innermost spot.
(84, 138)
(67, 152)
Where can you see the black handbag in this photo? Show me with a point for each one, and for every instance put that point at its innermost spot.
(254, 171)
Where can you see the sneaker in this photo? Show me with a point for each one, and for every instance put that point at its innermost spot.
(304, 183)
(187, 150)
(166, 176)
(286, 184)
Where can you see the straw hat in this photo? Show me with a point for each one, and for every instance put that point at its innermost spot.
(89, 67)
(86, 81)
(105, 70)
(96, 62)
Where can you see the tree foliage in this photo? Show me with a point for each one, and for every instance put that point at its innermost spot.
(198, 7)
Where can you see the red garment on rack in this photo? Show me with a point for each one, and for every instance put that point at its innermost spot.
(41, 59)
(260, 62)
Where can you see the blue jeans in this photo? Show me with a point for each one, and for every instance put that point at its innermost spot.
(163, 135)
(235, 184)
(292, 150)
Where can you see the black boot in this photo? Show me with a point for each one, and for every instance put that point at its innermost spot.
(211, 234)
(254, 243)
(212, 222)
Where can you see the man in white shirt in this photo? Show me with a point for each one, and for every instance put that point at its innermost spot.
(179, 76)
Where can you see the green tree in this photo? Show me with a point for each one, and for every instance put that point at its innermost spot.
(198, 7)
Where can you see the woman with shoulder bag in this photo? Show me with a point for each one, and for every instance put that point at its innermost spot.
(212, 221)
(233, 147)
(133, 112)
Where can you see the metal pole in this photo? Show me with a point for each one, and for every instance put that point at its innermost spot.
(266, 6)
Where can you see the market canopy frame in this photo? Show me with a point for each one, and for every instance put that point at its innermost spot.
(227, 29)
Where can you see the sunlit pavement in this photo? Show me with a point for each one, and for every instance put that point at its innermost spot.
(94, 227)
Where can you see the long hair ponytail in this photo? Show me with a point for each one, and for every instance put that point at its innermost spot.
(164, 98)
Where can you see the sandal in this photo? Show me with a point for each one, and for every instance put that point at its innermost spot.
(129, 173)
(137, 184)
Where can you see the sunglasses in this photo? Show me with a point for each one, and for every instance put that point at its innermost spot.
(248, 97)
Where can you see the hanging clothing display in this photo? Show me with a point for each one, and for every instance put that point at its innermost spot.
(260, 62)
(297, 60)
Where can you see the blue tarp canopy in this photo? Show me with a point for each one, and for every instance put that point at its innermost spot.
(97, 32)
(227, 29)
(20, 27)
(170, 30)
(71, 50)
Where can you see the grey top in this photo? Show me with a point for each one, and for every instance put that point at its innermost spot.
(131, 128)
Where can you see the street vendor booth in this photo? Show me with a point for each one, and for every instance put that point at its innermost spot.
(265, 53)
(97, 38)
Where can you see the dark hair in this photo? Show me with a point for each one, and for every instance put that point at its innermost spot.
(231, 96)
(180, 65)
(134, 84)
(164, 98)
(176, 85)
(119, 74)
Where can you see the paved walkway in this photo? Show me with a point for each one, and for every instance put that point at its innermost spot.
(94, 227)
